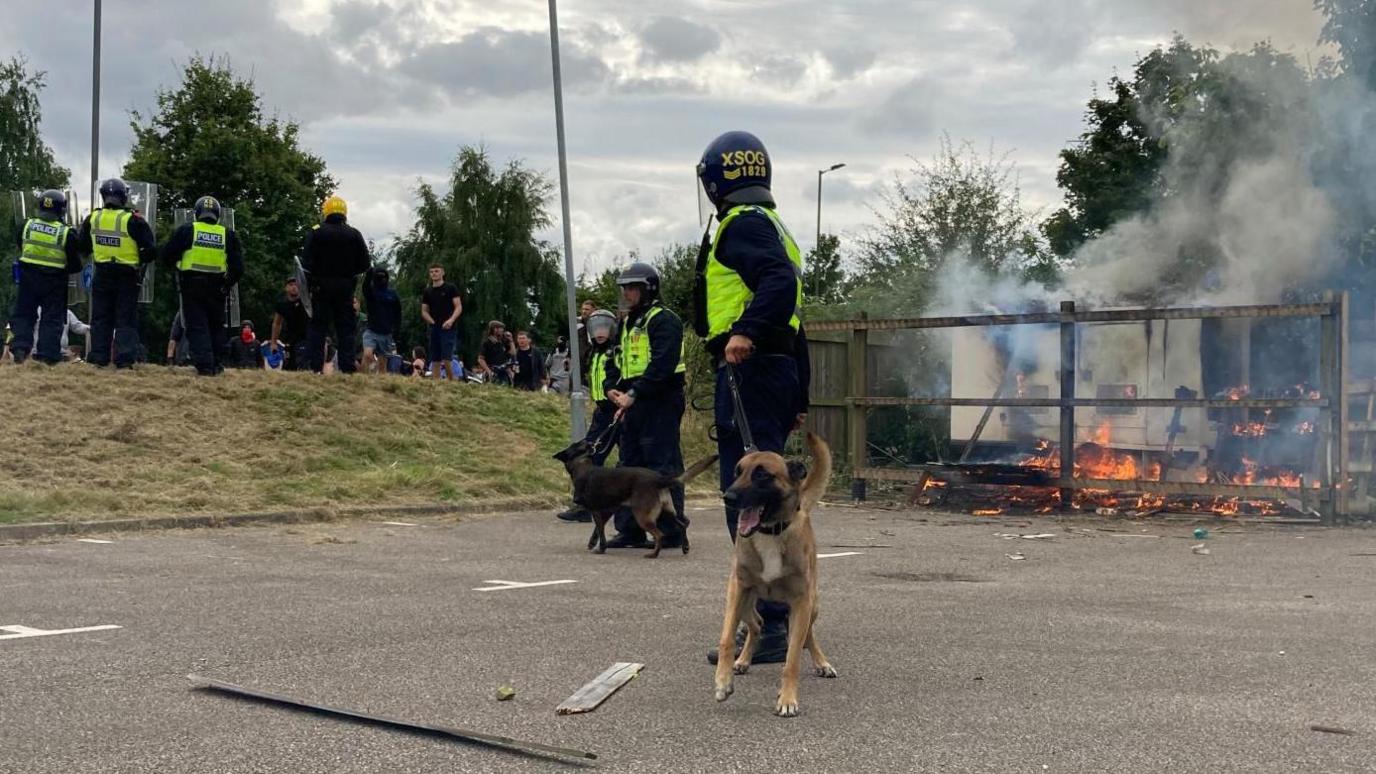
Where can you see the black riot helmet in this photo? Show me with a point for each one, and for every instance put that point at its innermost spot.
(114, 193)
(52, 204)
(208, 209)
(643, 274)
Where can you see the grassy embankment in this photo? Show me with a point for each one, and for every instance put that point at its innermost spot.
(80, 444)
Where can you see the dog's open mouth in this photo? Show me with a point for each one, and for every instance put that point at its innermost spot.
(749, 521)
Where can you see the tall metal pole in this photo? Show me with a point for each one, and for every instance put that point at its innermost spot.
(576, 417)
(818, 244)
(95, 106)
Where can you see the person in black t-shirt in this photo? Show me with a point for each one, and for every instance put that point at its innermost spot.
(440, 307)
(496, 354)
(289, 326)
(530, 364)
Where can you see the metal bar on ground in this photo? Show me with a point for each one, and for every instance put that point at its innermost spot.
(988, 412)
(591, 695)
(1067, 409)
(1257, 491)
(1097, 316)
(489, 740)
(1093, 402)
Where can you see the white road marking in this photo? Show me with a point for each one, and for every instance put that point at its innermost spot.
(20, 632)
(843, 553)
(93, 540)
(507, 585)
(400, 523)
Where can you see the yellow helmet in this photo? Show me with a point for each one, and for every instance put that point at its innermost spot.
(334, 206)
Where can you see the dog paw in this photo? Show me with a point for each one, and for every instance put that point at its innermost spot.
(724, 692)
(741, 667)
(786, 709)
(826, 670)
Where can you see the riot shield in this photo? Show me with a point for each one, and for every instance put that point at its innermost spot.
(143, 199)
(304, 286)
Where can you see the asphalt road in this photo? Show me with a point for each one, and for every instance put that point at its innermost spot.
(1099, 652)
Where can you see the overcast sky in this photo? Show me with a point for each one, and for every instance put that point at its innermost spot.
(387, 91)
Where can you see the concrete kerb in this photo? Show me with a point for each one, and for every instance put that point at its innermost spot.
(13, 533)
(17, 533)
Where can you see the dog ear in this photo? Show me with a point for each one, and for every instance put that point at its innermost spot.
(797, 471)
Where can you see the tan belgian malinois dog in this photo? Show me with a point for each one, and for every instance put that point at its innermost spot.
(775, 559)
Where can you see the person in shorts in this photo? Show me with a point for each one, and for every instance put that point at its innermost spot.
(384, 318)
(440, 307)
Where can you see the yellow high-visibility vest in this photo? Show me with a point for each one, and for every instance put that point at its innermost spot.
(45, 243)
(727, 294)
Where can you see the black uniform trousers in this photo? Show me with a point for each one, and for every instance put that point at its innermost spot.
(114, 314)
(42, 288)
(766, 384)
(332, 304)
(649, 439)
(203, 315)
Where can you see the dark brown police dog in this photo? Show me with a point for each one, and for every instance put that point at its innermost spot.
(776, 559)
(644, 491)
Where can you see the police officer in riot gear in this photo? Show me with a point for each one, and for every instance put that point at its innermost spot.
(120, 242)
(209, 261)
(47, 254)
(747, 302)
(649, 397)
(334, 256)
(600, 331)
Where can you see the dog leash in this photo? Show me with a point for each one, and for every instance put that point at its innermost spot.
(742, 424)
(605, 436)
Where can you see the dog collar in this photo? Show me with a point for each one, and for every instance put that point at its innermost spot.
(777, 529)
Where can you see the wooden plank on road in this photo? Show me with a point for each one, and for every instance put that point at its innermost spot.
(587, 698)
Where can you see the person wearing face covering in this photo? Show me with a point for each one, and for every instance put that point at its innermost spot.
(384, 318)
(245, 351)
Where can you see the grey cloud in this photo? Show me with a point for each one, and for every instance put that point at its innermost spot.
(500, 63)
(670, 39)
(846, 63)
(658, 86)
(780, 70)
(910, 111)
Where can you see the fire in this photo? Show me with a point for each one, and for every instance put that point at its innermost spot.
(1237, 393)
(1304, 428)
(1103, 434)
(1249, 429)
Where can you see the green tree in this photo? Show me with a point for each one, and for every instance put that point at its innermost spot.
(600, 289)
(1179, 126)
(824, 281)
(482, 230)
(962, 205)
(1351, 26)
(26, 162)
(209, 136)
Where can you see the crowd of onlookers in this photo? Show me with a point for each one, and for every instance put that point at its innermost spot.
(506, 358)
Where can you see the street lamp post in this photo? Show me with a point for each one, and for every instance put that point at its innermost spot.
(95, 106)
(818, 244)
(576, 394)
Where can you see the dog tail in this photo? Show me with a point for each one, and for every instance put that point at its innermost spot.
(697, 469)
(815, 485)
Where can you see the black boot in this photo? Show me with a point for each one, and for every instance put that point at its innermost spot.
(771, 649)
(575, 514)
(623, 540)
